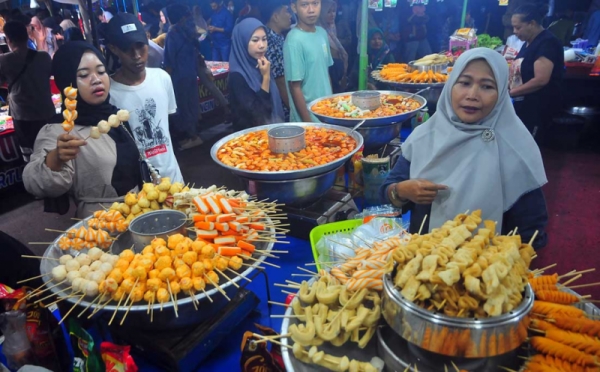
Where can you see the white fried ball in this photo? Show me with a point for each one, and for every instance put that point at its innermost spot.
(95, 253)
(77, 282)
(97, 276)
(65, 258)
(84, 270)
(95, 133)
(59, 273)
(95, 265)
(90, 289)
(123, 115)
(103, 126)
(72, 265)
(106, 257)
(72, 275)
(113, 121)
(106, 268)
(83, 259)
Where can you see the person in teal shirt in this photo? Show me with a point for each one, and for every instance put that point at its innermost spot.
(306, 58)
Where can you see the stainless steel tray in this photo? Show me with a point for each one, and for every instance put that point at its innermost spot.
(125, 241)
(369, 122)
(286, 175)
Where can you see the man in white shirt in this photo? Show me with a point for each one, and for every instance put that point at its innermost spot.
(147, 93)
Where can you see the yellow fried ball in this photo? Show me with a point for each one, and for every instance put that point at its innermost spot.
(183, 271)
(198, 269)
(163, 262)
(158, 242)
(173, 240)
(199, 284)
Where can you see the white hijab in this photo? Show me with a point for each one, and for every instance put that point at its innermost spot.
(487, 165)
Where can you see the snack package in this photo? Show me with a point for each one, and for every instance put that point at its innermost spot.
(462, 40)
(256, 356)
(86, 358)
(37, 326)
(117, 358)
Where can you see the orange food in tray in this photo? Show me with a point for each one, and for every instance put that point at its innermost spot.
(342, 107)
(251, 151)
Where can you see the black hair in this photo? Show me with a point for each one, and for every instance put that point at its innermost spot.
(73, 34)
(42, 14)
(176, 12)
(21, 18)
(531, 12)
(16, 32)
(269, 7)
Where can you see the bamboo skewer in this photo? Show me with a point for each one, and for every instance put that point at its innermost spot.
(533, 237)
(291, 282)
(341, 310)
(272, 338)
(99, 308)
(277, 303)
(44, 290)
(61, 299)
(40, 257)
(117, 308)
(306, 270)
(226, 277)
(129, 308)
(218, 287)
(54, 230)
(286, 286)
(576, 273)
(254, 259)
(172, 299)
(572, 280)
(29, 279)
(207, 296)
(240, 275)
(71, 309)
(584, 285)
(90, 304)
(288, 292)
(545, 268)
(193, 300)
(53, 294)
(422, 225)
(40, 243)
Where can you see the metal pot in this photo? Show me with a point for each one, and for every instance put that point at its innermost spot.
(429, 331)
(286, 175)
(295, 192)
(156, 224)
(375, 137)
(369, 122)
(435, 68)
(366, 99)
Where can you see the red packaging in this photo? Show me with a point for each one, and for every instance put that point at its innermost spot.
(117, 358)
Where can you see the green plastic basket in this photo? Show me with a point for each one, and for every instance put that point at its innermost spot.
(330, 228)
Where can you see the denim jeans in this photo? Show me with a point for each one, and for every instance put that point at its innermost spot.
(221, 53)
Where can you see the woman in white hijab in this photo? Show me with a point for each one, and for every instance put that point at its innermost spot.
(473, 153)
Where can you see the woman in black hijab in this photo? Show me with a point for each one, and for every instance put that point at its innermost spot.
(90, 170)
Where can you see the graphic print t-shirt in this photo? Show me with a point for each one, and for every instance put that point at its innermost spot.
(149, 105)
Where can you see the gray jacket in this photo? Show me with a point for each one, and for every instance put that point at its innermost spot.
(87, 178)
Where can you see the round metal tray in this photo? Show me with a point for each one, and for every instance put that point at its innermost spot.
(125, 241)
(369, 122)
(286, 175)
(349, 349)
(414, 323)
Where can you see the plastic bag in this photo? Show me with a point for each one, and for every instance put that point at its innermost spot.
(16, 347)
(86, 358)
(117, 358)
(256, 356)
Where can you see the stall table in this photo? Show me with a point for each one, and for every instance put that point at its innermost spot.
(220, 71)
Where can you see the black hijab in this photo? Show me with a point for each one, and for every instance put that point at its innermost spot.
(126, 174)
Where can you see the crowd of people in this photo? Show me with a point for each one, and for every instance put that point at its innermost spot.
(281, 56)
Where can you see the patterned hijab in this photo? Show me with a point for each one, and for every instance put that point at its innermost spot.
(487, 165)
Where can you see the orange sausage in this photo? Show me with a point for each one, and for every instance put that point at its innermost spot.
(246, 246)
(229, 251)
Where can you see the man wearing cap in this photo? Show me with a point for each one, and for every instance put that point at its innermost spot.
(147, 93)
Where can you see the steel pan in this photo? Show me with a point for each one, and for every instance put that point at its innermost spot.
(286, 175)
(162, 319)
(296, 192)
(417, 326)
(370, 122)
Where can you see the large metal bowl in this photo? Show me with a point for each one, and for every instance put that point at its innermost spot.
(375, 137)
(164, 319)
(429, 332)
(286, 175)
(432, 95)
(156, 224)
(295, 193)
(369, 122)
